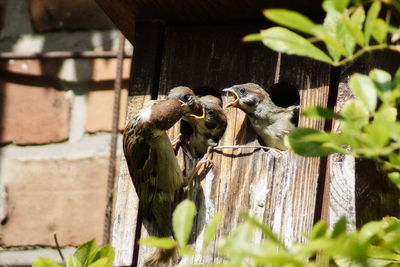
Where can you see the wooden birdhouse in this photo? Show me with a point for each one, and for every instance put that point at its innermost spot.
(199, 44)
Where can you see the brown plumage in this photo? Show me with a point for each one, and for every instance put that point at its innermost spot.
(207, 130)
(151, 161)
(270, 122)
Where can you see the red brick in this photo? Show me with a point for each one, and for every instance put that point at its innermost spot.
(63, 196)
(68, 15)
(32, 111)
(100, 101)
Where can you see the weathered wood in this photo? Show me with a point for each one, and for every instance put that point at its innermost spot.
(124, 12)
(143, 72)
(359, 189)
(340, 184)
(376, 196)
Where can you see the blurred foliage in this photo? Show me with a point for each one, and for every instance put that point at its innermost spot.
(88, 254)
(375, 244)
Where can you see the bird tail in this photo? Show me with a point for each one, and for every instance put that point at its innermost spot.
(163, 257)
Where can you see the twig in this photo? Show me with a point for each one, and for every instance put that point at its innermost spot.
(239, 146)
(59, 249)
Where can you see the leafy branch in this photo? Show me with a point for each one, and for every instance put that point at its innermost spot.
(375, 244)
(345, 32)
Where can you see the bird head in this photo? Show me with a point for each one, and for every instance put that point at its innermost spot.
(246, 96)
(214, 119)
(189, 102)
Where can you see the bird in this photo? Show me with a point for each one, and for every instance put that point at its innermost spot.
(151, 161)
(207, 129)
(270, 122)
(191, 109)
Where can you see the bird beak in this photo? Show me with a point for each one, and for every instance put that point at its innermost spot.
(199, 113)
(235, 96)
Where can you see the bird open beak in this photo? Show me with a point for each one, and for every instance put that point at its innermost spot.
(235, 101)
(199, 112)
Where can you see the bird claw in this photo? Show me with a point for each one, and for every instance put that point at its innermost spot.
(176, 141)
(205, 161)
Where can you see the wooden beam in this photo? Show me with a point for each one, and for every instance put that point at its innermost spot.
(125, 12)
(121, 14)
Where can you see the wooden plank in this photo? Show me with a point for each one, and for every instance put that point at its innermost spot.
(144, 73)
(124, 12)
(358, 189)
(312, 78)
(376, 196)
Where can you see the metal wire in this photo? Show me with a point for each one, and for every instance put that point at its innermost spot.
(114, 139)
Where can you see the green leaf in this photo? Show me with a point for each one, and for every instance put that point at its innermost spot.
(254, 37)
(364, 89)
(358, 17)
(103, 262)
(300, 141)
(372, 14)
(73, 261)
(186, 251)
(321, 113)
(394, 158)
(159, 242)
(370, 231)
(211, 229)
(355, 115)
(376, 252)
(379, 30)
(318, 230)
(395, 178)
(383, 83)
(290, 19)
(386, 116)
(378, 134)
(182, 221)
(354, 31)
(265, 229)
(45, 262)
(346, 38)
(285, 41)
(279, 258)
(86, 252)
(106, 251)
(396, 79)
(339, 227)
(335, 5)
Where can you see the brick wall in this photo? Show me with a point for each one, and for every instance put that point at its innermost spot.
(55, 123)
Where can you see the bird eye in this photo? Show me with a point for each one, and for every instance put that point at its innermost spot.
(186, 97)
(242, 90)
(210, 113)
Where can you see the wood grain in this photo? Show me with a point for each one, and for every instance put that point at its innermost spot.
(124, 12)
(359, 189)
(126, 206)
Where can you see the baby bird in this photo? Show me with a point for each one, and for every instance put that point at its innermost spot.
(207, 129)
(151, 161)
(270, 122)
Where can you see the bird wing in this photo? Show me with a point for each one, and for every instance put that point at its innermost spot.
(141, 160)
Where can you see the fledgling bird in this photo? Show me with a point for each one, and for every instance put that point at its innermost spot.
(207, 129)
(191, 106)
(270, 122)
